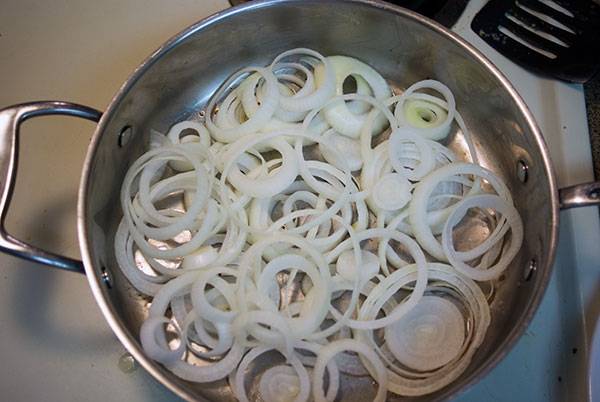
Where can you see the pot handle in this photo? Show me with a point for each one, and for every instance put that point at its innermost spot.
(10, 121)
(579, 195)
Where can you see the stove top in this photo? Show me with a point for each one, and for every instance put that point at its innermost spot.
(57, 342)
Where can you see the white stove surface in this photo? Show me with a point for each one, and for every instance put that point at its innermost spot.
(56, 346)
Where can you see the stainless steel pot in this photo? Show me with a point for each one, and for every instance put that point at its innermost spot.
(175, 83)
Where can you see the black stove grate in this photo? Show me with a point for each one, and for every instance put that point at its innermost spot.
(446, 12)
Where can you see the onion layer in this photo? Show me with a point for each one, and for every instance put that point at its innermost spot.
(281, 225)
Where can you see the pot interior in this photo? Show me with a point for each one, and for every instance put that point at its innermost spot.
(176, 83)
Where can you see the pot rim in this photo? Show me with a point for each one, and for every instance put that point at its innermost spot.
(95, 281)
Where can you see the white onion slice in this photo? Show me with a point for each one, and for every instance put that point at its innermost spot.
(437, 128)
(329, 351)
(391, 192)
(414, 383)
(199, 140)
(300, 370)
(350, 269)
(325, 86)
(501, 206)
(261, 116)
(429, 336)
(423, 114)
(399, 138)
(365, 319)
(203, 257)
(275, 182)
(279, 384)
(346, 147)
(154, 345)
(418, 207)
(337, 114)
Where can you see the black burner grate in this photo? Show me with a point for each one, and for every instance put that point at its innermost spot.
(446, 12)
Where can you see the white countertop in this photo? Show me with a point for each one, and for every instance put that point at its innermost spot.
(58, 344)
